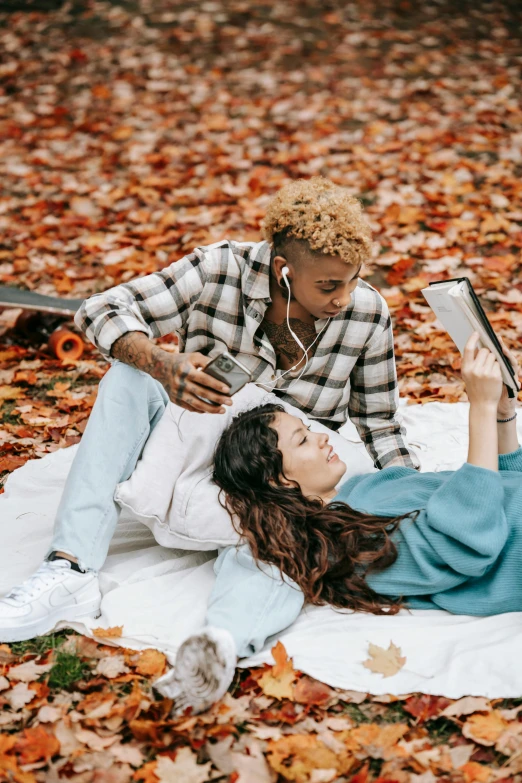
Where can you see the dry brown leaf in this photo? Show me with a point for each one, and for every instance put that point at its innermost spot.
(510, 741)
(184, 768)
(49, 714)
(380, 741)
(127, 753)
(112, 666)
(251, 768)
(29, 671)
(20, 695)
(466, 706)
(386, 662)
(64, 733)
(93, 740)
(460, 755)
(11, 392)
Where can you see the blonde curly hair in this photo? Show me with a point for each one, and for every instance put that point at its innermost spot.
(322, 214)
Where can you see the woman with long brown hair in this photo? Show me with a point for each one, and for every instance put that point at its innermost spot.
(377, 542)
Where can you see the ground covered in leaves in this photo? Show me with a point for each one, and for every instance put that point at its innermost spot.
(132, 132)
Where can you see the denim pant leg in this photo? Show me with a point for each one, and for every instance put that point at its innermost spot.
(251, 601)
(129, 405)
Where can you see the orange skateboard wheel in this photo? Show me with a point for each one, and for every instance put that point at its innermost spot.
(66, 345)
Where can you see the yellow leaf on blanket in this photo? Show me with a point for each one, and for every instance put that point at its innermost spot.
(386, 662)
(279, 680)
(108, 633)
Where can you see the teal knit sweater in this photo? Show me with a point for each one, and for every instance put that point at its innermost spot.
(463, 552)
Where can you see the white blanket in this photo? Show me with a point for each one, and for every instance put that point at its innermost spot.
(159, 595)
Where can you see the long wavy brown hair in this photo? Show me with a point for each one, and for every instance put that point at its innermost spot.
(326, 549)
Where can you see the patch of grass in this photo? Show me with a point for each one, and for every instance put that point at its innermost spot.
(355, 713)
(67, 670)
(508, 704)
(7, 415)
(375, 767)
(125, 688)
(367, 199)
(49, 384)
(395, 713)
(440, 730)
(40, 644)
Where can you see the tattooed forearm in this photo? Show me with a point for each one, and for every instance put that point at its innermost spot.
(136, 349)
(283, 342)
(171, 370)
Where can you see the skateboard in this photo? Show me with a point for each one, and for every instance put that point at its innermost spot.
(41, 320)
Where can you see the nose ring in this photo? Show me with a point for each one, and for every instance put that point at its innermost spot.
(337, 304)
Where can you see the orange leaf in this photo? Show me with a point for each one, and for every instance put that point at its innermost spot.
(151, 663)
(108, 633)
(380, 741)
(310, 691)
(473, 771)
(25, 376)
(485, 729)
(424, 707)
(296, 756)
(278, 681)
(362, 775)
(11, 462)
(36, 744)
(8, 763)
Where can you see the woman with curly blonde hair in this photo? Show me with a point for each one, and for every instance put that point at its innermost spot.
(294, 311)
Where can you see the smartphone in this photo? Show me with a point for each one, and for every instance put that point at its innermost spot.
(228, 370)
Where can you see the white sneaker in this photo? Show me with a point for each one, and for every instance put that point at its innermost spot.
(204, 668)
(54, 592)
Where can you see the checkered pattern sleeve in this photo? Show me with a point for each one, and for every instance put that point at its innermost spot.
(374, 398)
(156, 304)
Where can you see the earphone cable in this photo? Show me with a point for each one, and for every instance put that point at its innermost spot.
(296, 339)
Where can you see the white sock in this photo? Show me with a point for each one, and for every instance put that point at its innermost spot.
(204, 668)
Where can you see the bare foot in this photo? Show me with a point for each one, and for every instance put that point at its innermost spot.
(67, 557)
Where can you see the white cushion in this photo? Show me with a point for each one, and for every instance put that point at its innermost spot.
(171, 491)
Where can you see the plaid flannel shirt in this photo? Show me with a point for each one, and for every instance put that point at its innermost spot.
(215, 298)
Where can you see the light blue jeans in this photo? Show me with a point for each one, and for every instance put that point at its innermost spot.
(251, 602)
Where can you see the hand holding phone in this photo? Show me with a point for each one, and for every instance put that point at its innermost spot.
(183, 377)
(229, 370)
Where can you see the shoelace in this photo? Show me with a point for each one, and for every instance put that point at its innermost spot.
(46, 573)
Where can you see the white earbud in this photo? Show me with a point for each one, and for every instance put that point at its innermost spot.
(284, 272)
